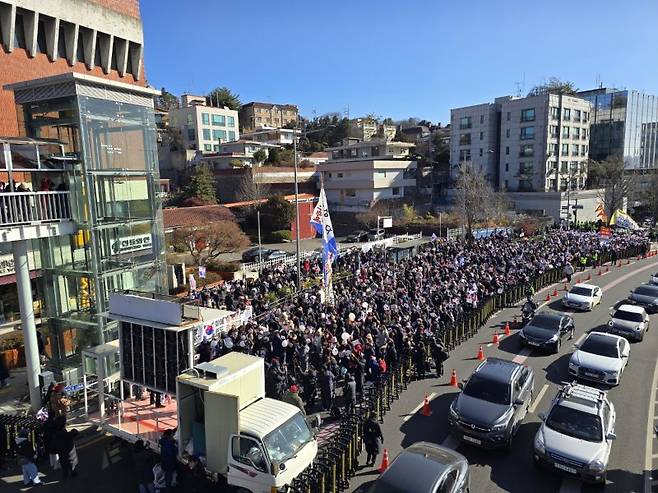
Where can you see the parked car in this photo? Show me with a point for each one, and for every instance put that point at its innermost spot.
(251, 255)
(274, 254)
(376, 234)
(645, 295)
(654, 278)
(357, 237)
(493, 403)
(577, 432)
(423, 468)
(629, 321)
(600, 358)
(583, 296)
(546, 330)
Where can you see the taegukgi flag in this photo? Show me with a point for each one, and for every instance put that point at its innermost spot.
(322, 222)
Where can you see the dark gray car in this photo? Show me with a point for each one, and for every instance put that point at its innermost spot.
(547, 330)
(423, 468)
(493, 403)
(645, 295)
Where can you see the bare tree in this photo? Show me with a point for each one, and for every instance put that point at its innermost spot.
(650, 197)
(368, 219)
(208, 242)
(476, 200)
(614, 182)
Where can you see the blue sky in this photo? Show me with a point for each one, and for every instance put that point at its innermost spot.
(396, 58)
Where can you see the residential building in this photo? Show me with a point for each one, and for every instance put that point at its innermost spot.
(255, 115)
(417, 133)
(40, 38)
(359, 174)
(313, 158)
(271, 135)
(204, 128)
(530, 144)
(95, 222)
(624, 123)
(236, 154)
(368, 128)
(474, 137)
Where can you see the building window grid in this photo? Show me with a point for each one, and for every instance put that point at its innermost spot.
(527, 133)
(566, 114)
(528, 115)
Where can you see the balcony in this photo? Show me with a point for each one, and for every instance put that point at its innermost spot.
(31, 215)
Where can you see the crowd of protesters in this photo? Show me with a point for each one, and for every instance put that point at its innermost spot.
(383, 311)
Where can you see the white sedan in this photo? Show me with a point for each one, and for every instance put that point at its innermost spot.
(601, 358)
(583, 296)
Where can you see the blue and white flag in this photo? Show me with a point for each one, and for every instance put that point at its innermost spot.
(322, 223)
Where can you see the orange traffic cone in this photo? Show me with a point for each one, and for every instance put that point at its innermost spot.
(507, 331)
(453, 379)
(496, 339)
(554, 292)
(384, 465)
(548, 297)
(598, 272)
(426, 410)
(607, 268)
(480, 355)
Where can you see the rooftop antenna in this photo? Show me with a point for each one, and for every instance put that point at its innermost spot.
(599, 82)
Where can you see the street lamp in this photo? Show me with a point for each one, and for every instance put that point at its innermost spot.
(299, 263)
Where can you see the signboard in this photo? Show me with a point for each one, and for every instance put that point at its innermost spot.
(605, 232)
(387, 222)
(134, 243)
(74, 388)
(202, 271)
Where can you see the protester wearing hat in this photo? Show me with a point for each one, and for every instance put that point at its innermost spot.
(59, 403)
(292, 397)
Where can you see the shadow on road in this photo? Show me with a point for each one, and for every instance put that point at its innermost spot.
(432, 428)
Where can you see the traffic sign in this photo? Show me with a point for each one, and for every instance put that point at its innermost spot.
(74, 388)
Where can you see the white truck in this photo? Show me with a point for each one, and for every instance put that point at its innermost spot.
(259, 445)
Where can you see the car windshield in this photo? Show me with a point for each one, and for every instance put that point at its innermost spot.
(546, 322)
(284, 442)
(603, 346)
(488, 390)
(575, 423)
(646, 291)
(580, 291)
(629, 316)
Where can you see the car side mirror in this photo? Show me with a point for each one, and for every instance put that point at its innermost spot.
(542, 416)
(518, 402)
(461, 385)
(611, 436)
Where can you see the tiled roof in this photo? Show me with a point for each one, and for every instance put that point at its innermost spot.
(185, 217)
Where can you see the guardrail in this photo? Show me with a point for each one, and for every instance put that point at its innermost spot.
(18, 208)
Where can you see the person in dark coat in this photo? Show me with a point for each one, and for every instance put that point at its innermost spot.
(420, 357)
(349, 394)
(49, 429)
(64, 445)
(310, 387)
(143, 462)
(439, 355)
(205, 352)
(327, 388)
(274, 380)
(372, 437)
(4, 373)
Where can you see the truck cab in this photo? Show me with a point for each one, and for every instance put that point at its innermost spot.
(256, 443)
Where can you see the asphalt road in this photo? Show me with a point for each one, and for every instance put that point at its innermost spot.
(632, 458)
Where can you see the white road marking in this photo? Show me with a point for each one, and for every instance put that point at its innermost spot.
(522, 356)
(648, 451)
(570, 485)
(419, 407)
(538, 399)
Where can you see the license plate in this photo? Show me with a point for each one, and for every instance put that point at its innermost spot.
(472, 440)
(591, 375)
(531, 343)
(565, 468)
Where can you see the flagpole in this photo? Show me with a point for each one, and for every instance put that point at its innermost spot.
(299, 263)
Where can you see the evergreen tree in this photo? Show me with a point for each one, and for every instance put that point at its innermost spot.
(201, 185)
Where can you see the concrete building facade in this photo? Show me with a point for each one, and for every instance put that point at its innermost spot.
(204, 128)
(257, 115)
(40, 38)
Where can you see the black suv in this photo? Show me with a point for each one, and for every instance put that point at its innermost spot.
(546, 330)
(493, 402)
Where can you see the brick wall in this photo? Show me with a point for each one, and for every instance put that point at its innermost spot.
(18, 67)
(126, 7)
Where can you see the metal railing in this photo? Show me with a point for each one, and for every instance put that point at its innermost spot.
(34, 207)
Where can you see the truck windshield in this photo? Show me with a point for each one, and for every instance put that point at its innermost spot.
(284, 442)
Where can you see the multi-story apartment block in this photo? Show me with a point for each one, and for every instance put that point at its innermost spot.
(544, 143)
(474, 139)
(204, 128)
(40, 38)
(531, 144)
(359, 174)
(256, 115)
(274, 136)
(369, 128)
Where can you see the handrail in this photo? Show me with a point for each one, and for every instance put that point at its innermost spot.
(34, 207)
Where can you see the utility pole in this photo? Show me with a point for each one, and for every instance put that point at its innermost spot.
(299, 263)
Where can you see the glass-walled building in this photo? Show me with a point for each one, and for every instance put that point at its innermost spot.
(109, 137)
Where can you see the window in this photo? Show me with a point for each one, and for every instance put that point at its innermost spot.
(528, 115)
(231, 135)
(507, 150)
(585, 116)
(464, 122)
(19, 31)
(349, 192)
(564, 167)
(481, 135)
(219, 120)
(395, 191)
(565, 149)
(191, 134)
(506, 184)
(527, 151)
(230, 120)
(576, 132)
(506, 167)
(206, 134)
(61, 41)
(246, 451)
(563, 184)
(481, 119)
(575, 150)
(508, 116)
(190, 119)
(41, 36)
(576, 115)
(207, 147)
(566, 113)
(205, 118)
(527, 133)
(583, 150)
(555, 113)
(219, 135)
(574, 166)
(555, 131)
(339, 175)
(215, 147)
(464, 155)
(507, 133)
(464, 139)
(565, 132)
(481, 152)
(98, 59)
(552, 183)
(552, 149)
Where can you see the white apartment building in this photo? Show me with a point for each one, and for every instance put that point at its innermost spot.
(271, 135)
(474, 139)
(204, 128)
(544, 143)
(359, 174)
